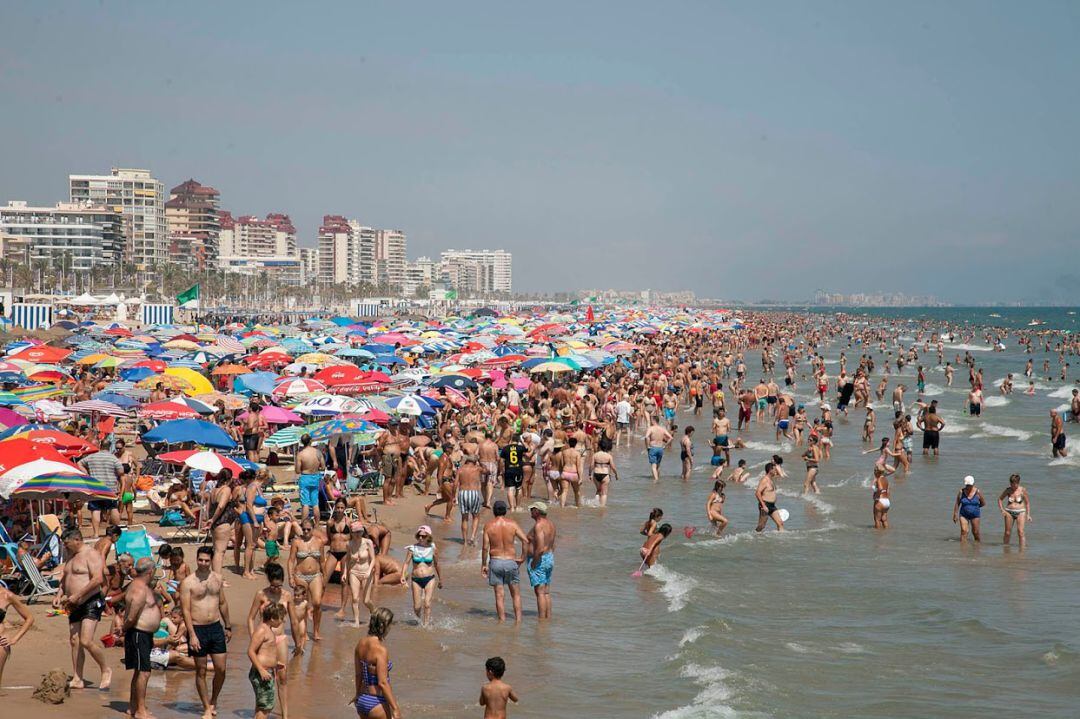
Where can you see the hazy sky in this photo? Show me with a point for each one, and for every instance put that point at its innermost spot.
(741, 150)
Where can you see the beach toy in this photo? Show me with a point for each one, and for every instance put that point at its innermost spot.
(640, 570)
(784, 514)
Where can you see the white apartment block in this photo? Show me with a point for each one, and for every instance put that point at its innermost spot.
(390, 258)
(309, 261)
(482, 271)
(347, 252)
(140, 199)
(71, 235)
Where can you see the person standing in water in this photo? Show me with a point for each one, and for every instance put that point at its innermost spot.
(1015, 506)
(657, 438)
(650, 551)
(541, 557)
(714, 507)
(686, 453)
(766, 498)
(500, 561)
(882, 501)
(1057, 435)
(968, 509)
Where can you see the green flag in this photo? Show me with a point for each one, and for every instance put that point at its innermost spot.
(451, 294)
(191, 295)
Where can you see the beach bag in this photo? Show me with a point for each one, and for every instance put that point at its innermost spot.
(144, 483)
(172, 518)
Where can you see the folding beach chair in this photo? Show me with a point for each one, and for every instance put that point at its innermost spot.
(25, 578)
(134, 541)
(197, 531)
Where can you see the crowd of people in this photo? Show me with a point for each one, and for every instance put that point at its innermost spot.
(492, 454)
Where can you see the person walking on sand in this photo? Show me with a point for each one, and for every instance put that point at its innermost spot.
(541, 557)
(500, 562)
(142, 617)
(206, 616)
(80, 594)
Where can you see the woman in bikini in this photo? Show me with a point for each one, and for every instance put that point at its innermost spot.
(446, 472)
(569, 463)
(374, 699)
(882, 501)
(251, 519)
(714, 507)
(1015, 506)
(603, 469)
(360, 570)
(422, 567)
(127, 482)
(222, 517)
(306, 559)
(812, 456)
(337, 544)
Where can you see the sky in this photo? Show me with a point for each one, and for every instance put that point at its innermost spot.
(740, 150)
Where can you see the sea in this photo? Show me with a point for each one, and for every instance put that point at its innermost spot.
(829, 619)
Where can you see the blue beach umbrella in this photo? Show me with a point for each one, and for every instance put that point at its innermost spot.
(190, 430)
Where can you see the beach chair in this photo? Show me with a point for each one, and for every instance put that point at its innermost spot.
(25, 578)
(197, 531)
(368, 483)
(134, 541)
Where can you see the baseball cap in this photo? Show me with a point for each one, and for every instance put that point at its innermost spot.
(424, 529)
(539, 507)
(969, 480)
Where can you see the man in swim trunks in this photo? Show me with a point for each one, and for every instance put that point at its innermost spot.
(470, 499)
(253, 430)
(142, 618)
(489, 466)
(309, 466)
(761, 399)
(541, 557)
(499, 560)
(206, 616)
(766, 497)
(657, 438)
(80, 594)
(1057, 435)
(931, 423)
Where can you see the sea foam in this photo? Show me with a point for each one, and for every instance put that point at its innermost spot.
(676, 587)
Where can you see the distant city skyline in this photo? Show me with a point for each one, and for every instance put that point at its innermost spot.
(745, 151)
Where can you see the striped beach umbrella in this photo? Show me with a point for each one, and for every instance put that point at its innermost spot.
(56, 485)
(285, 437)
(97, 406)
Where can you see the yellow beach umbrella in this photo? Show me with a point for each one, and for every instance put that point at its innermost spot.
(199, 384)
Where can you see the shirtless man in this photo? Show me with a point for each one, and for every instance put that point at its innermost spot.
(388, 448)
(141, 619)
(80, 595)
(746, 404)
(657, 438)
(766, 497)
(469, 497)
(1057, 435)
(489, 466)
(721, 428)
(309, 466)
(253, 431)
(931, 423)
(541, 558)
(206, 616)
(500, 561)
(975, 402)
(761, 399)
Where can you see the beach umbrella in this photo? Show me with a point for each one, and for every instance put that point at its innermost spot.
(231, 401)
(97, 406)
(456, 381)
(170, 382)
(229, 370)
(120, 400)
(135, 374)
(410, 405)
(190, 430)
(14, 431)
(326, 430)
(22, 459)
(255, 383)
(210, 462)
(198, 384)
(154, 365)
(339, 374)
(41, 354)
(278, 415)
(292, 387)
(327, 404)
(57, 485)
(66, 444)
(168, 409)
(285, 437)
(11, 419)
(550, 367)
